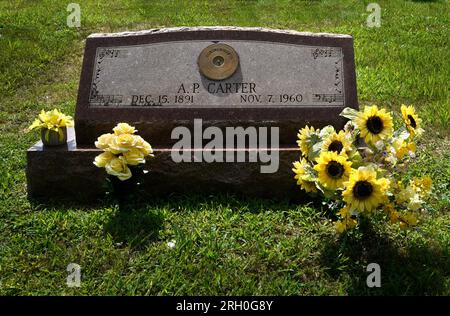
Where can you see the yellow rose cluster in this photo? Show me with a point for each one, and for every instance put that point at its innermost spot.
(364, 178)
(122, 149)
(53, 120)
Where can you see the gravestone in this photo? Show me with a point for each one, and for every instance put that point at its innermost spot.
(221, 77)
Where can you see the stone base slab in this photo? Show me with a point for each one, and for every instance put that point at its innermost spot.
(67, 173)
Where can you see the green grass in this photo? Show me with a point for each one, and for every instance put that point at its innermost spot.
(224, 245)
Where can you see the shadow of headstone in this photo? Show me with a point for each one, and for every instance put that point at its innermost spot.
(413, 270)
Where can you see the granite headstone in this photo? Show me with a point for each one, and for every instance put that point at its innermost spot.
(160, 79)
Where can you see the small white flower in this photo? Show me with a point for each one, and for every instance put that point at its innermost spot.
(171, 244)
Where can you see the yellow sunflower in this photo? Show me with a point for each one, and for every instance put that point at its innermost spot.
(363, 191)
(411, 120)
(305, 139)
(301, 174)
(374, 124)
(332, 169)
(337, 142)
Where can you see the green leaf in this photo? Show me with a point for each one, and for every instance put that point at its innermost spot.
(349, 113)
(326, 131)
(315, 151)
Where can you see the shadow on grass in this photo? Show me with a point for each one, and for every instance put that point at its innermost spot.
(412, 270)
(139, 218)
(49, 204)
(135, 225)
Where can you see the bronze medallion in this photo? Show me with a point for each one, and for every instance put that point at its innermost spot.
(218, 61)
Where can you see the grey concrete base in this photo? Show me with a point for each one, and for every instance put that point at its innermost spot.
(67, 173)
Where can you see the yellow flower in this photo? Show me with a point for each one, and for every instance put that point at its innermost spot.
(345, 224)
(415, 203)
(350, 222)
(410, 218)
(344, 212)
(422, 185)
(124, 128)
(122, 143)
(384, 184)
(347, 220)
(118, 167)
(44, 116)
(401, 147)
(374, 124)
(394, 217)
(405, 194)
(305, 139)
(332, 169)
(131, 150)
(103, 141)
(52, 120)
(300, 174)
(134, 157)
(144, 146)
(389, 208)
(337, 142)
(36, 124)
(409, 196)
(103, 159)
(412, 120)
(407, 220)
(340, 226)
(363, 191)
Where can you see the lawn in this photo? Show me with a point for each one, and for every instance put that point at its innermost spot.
(224, 245)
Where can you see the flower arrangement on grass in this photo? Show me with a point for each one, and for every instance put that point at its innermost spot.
(53, 125)
(361, 168)
(124, 151)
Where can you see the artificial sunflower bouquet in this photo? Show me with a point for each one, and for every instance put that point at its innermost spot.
(53, 125)
(123, 156)
(360, 169)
